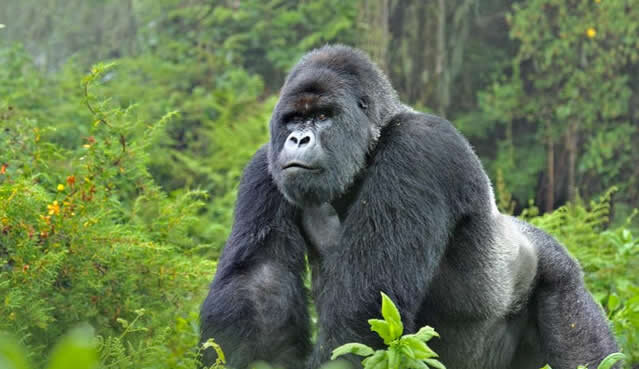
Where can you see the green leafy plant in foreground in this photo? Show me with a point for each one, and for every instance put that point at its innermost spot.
(411, 351)
(77, 349)
(408, 351)
(606, 363)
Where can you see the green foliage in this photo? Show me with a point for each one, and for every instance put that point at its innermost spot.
(606, 363)
(81, 349)
(571, 79)
(77, 349)
(246, 31)
(609, 257)
(407, 351)
(221, 359)
(86, 235)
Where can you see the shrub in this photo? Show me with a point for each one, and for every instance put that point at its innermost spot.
(87, 236)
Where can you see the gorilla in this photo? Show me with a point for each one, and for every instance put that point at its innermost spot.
(379, 197)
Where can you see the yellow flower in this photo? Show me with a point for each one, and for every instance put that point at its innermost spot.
(597, 1)
(60, 187)
(54, 208)
(591, 32)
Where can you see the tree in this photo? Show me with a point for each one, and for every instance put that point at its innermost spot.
(571, 84)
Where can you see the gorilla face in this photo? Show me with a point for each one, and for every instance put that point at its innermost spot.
(319, 136)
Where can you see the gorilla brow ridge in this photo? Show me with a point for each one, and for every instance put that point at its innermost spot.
(346, 61)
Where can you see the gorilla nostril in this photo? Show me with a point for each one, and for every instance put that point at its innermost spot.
(294, 139)
(305, 140)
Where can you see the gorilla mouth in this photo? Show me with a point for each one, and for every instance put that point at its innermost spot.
(299, 165)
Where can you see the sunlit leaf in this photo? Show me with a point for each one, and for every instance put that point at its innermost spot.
(77, 350)
(352, 348)
(610, 360)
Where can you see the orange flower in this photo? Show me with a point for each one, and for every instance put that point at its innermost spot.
(71, 180)
(3, 168)
(591, 32)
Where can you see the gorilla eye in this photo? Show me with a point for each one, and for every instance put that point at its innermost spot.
(321, 117)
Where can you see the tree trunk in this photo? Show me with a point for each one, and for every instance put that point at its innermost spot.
(571, 146)
(374, 17)
(550, 190)
(442, 57)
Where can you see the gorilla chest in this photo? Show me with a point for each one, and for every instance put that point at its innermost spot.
(322, 229)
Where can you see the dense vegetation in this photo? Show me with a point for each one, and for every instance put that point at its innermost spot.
(117, 181)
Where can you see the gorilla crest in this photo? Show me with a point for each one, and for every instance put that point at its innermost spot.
(383, 198)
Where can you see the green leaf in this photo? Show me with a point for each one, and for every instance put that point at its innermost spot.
(389, 310)
(407, 351)
(613, 302)
(434, 363)
(392, 316)
(210, 343)
(610, 360)
(426, 333)
(416, 364)
(394, 358)
(378, 358)
(75, 350)
(382, 328)
(12, 355)
(421, 350)
(352, 348)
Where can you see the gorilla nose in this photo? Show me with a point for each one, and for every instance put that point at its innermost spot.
(299, 140)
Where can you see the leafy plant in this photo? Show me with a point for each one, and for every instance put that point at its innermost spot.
(606, 363)
(407, 351)
(77, 349)
(86, 235)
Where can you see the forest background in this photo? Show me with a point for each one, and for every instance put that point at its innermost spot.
(125, 125)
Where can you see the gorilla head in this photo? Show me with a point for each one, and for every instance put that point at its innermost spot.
(331, 109)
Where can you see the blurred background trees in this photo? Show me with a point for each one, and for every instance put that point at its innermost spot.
(547, 92)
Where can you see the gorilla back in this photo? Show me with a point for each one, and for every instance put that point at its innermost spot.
(382, 198)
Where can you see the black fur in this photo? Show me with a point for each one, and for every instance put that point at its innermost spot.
(387, 199)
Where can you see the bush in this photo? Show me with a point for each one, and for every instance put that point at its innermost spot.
(87, 236)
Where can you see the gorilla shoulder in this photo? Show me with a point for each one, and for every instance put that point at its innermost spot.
(428, 151)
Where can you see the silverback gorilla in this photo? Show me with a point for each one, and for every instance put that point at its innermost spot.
(383, 198)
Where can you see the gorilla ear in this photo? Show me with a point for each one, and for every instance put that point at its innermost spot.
(363, 102)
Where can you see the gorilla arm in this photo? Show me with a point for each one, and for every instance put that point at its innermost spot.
(256, 308)
(420, 182)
